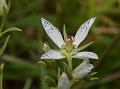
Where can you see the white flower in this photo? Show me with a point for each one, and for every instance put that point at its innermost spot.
(3, 6)
(82, 70)
(57, 38)
(69, 44)
(63, 82)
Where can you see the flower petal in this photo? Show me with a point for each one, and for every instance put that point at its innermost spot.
(82, 70)
(53, 33)
(63, 82)
(52, 55)
(85, 55)
(83, 31)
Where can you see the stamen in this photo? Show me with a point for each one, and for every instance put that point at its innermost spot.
(70, 38)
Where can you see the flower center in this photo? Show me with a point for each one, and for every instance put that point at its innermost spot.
(70, 38)
(68, 48)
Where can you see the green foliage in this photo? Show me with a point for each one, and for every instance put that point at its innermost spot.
(4, 9)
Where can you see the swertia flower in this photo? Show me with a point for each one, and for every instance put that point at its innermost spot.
(69, 45)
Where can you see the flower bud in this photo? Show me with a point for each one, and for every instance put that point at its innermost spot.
(3, 6)
(82, 70)
(63, 82)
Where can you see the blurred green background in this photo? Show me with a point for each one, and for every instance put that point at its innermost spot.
(24, 51)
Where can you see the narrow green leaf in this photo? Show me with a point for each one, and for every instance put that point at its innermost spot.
(9, 30)
(18, 61)
(4, 45)
(94, 78)
(92, 74)
(81, 48)
(64, 32)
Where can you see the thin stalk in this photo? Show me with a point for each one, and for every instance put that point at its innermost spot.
(1, 74)
(28, 83)
(69, 60)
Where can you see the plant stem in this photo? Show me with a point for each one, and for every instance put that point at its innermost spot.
(69, 60)
(3, 21)
(1, 74)
(4, 46)
(28, 83)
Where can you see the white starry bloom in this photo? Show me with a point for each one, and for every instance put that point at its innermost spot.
(63, 82)
(82, 70)
(69, 45)
(3, 6)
